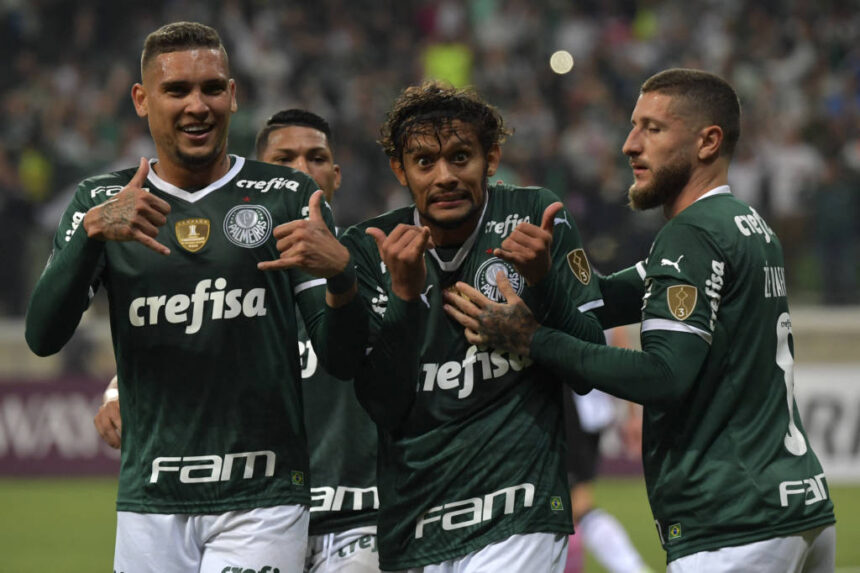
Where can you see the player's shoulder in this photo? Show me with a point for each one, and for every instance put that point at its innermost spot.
(98, 188)
(525, 199)
(386, 221)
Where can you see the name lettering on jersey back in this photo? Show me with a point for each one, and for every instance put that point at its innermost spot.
(753, 224)
(713, 288)
(453, 374)
(467, 512)
(264, 186)
(334, 498)
(774, 282)
(812, 489)
(205, 469)
(505, 227)
(222, 304)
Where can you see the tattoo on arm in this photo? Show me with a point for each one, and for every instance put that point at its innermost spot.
(508, 327)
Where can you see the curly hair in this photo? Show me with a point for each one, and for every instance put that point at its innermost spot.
(433, 106)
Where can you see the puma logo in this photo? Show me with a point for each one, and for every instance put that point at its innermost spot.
(560, 220)
(424, 296)
(676, 264)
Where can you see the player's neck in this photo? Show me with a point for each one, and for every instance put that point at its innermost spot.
(191, 178)
(700, 183)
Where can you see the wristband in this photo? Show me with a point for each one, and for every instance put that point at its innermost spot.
(342, 281)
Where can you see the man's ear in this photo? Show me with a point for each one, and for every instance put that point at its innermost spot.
(494, 155)
(138, 97)
(710, 141)
(232, 87)
(397, 168)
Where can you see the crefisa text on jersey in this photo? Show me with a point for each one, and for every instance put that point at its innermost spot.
(265, 185)
(146, 310)
(453, 374)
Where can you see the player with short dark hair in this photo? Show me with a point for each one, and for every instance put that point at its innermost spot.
(732, 480)
(214, 459)
(471, 451)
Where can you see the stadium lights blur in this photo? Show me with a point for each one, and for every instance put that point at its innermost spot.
(561, 62)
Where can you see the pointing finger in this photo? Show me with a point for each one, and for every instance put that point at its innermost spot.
(505, 287)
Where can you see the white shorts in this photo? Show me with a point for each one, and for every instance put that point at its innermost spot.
(350, 551)
(532, 552)
(262, 539)
(811, 551)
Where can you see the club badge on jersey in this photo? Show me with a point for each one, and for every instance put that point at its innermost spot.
(485, 278)
(192, 234)
(248, 226)
(578, 263)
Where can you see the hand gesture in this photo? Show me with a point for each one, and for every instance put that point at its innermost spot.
(308, 244)
(528, 246)
(133, 214)
(403, 254)
(108, 421)
(508, 326)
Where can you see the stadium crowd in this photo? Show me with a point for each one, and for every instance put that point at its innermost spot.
(68, 67)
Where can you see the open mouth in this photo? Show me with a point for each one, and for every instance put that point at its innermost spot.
(196, 131)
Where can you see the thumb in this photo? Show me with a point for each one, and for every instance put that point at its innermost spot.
(549, 214)
(378, 236)
(139, 177)
(505, 287)
(315, 206)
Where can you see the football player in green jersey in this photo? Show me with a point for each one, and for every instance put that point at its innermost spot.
(471, 441)
(731, 478)
(341, 437)
(214, 453)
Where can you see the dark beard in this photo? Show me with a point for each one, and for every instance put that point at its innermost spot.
(666, 186)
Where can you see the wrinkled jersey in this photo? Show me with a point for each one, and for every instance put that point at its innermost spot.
(731, 464)
(480, 456)
(205, 343)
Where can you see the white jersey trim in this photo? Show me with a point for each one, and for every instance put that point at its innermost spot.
(308, 284)
(721, 190)
(193, 197)
(590, 305)
(640, 268)
(664, 324)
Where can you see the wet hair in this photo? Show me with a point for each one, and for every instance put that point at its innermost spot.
(178, 37)
(287, 118)
(433, 106)
(704, 96)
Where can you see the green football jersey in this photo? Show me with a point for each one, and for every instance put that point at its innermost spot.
(342, 441)
(475, 453)
(205, 343)
(731, 464)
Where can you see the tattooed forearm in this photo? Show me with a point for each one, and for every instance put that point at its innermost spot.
(508, 326)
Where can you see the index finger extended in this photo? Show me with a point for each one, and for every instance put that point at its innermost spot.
(148, 241)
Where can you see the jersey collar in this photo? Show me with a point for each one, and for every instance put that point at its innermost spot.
(193, 197)
(721, 190)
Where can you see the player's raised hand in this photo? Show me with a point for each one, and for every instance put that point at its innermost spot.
(308, 244)
(507, 326)
(403, 254)
(133, 214)
(528, 246)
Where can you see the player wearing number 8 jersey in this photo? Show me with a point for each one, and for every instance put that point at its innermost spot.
(731, 478)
